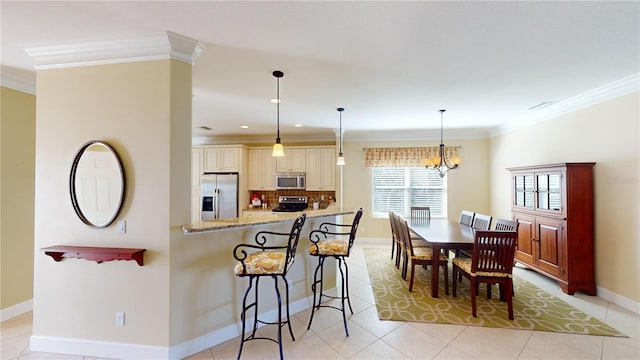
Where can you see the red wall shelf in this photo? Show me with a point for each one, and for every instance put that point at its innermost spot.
(97, 254)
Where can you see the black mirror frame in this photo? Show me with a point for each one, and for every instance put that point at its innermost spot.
(72, 180)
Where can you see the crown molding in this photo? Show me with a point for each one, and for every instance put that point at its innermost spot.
(19, 80)
(610, 91)
(161, 46)
(415, 135)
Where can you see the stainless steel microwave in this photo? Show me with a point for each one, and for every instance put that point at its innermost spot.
(290, 180)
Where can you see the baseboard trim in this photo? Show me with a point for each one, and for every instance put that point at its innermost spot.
(113, 350)
(101, 349)
(213, 338)
(619, 300)
(16, 310)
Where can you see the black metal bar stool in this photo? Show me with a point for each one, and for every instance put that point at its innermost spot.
(259, 260)
(323, 247)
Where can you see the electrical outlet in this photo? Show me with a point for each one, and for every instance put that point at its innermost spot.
(119, 318)
(122, 226)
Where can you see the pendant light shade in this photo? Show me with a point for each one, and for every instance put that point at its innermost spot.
(278, 149)
(441, 162)
(340, 161)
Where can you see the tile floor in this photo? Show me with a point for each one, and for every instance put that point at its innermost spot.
(371, 338)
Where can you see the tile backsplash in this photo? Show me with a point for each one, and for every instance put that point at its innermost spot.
(272, 196)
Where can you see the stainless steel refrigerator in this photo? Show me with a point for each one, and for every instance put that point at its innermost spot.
(219, 196)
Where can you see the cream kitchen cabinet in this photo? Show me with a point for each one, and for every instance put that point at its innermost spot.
(292, 161)
(321, 168)
(197, 167)
(261, 170)
(222, 158)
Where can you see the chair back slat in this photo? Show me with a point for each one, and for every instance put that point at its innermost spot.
(481, 222)
(354, 227)
(466, 217)
(294, 236)
(506, 225)
(493, 251)
(420, 213)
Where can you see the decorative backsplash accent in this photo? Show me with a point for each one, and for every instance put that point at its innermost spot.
(272, 196)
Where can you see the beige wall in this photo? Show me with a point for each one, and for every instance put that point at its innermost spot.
(608, 134)
(468, 186)
(143, 110)
(17, 151)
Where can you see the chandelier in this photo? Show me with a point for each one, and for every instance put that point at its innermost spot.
(278, 150)
(441, 162)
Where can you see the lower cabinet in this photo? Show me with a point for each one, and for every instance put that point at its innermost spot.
(195, 206)
(541, 243)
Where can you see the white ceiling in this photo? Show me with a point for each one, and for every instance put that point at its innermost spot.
(392, 65)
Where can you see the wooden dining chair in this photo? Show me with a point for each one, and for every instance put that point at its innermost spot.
(466, 217)
(416, 242)
(420, 255)
(396, 246)
(491, 262)
(481, 222)
(420, 213)
(506, 225)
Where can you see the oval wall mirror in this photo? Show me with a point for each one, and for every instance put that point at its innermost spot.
(97, 184)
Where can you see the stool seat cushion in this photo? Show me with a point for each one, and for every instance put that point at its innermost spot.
(330, 247)
(263, 263)
(465, 265)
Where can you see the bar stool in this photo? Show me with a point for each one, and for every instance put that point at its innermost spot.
(323, 247)
(260, 260)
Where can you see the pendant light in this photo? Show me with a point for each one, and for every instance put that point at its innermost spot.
(278, 150)
(440, 161)
(340, 161)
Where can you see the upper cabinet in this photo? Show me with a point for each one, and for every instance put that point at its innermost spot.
(321, 168)
(261, 170)
(222, 159)
(540, 189)
(293, 160)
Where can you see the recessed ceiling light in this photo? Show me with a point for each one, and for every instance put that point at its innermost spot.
(204, 128)
(298, 125)
(275, 101)
(244, 127)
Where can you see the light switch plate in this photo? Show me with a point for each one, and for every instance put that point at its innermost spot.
(122, 226)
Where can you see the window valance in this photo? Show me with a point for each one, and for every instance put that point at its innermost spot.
(404, 156)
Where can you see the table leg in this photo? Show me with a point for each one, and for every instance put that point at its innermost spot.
(435, 270)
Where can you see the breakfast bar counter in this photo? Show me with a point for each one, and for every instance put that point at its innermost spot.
(262, 218)
(205, 270)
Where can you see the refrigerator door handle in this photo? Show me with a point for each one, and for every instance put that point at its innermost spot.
(216, 203)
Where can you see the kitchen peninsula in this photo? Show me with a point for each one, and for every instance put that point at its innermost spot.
(263, 218)
(215, 298)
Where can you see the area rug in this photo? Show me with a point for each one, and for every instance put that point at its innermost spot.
(533, 308)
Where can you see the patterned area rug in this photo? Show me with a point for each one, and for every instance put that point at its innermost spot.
(533, 308)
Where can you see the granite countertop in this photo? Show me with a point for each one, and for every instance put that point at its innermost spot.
(261, 219)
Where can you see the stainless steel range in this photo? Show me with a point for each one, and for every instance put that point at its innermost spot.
(291, 203)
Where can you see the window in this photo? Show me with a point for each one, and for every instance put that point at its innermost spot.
(398, 188)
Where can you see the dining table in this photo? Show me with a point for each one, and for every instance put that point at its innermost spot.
(442, 235)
